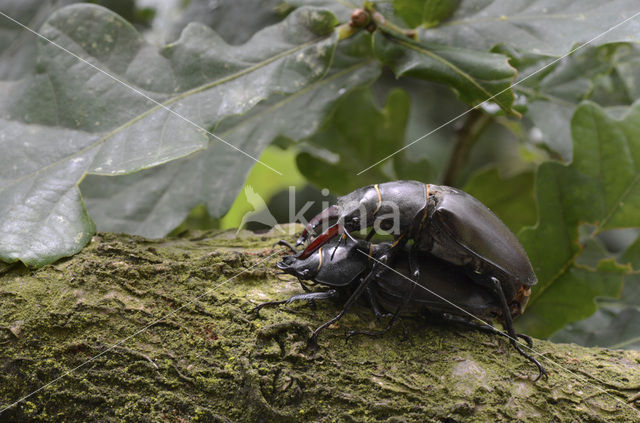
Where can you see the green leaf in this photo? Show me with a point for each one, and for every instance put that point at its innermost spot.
(632, 256)
(570, 298)
(69, 119)
(546, 27)
(235, 21)
(341, 8)
(267, 184)
(428, 13)
(358, 135)
(511, 199)
(611, 326)
(154, 201)
(475, 76)
(18, 46)
(616, 324)
(600, 188)
(432, 104)
(607, 75)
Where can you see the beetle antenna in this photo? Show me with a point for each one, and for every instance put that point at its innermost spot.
(343, 237)
(286, 244)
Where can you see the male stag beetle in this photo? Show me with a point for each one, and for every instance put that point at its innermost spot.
(443, 289)
(443, 221)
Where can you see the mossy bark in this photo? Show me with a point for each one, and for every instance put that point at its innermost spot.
(211, 359)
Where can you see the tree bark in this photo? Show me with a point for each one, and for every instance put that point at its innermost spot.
(143, 330)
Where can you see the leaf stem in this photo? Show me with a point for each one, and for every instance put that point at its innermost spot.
(383, 23)
(466, 137)
(346, 30)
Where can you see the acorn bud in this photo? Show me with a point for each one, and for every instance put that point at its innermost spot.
(359, 18)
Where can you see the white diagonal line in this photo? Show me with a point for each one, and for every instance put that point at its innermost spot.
(506, 334)
(157, 103)
(5, 408)
(495, 95)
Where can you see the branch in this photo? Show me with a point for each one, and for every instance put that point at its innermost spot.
(466, 136)
(213, 360)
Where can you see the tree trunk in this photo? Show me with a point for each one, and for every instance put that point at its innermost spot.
(162, 330)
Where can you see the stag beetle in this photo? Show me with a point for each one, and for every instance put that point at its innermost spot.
(443, 221)
(442, 289)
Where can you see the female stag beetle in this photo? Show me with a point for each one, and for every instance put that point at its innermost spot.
(442, 290)
(443, 221)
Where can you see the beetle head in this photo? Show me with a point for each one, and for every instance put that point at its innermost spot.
(337, 263)
(358, 208)
(353, 220)
(304, 269)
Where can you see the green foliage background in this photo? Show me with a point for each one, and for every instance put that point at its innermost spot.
(554, 152)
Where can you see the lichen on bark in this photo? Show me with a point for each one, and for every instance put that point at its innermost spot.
(211, 359)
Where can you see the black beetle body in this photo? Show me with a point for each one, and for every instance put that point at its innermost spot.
(362, 207)
(336, 269)
(443, 289)
(463, 231)
(439, 287)
(443, 221)
(439, 280)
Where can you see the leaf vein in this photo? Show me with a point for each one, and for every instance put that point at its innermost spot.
(157, 107)
(452, 66)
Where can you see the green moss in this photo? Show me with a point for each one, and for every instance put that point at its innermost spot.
(212, 360)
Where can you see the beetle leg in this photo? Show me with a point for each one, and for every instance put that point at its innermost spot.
(506, 313)
(343, 237)
(375, 307)
(310, 296)
(391, 323)
(485, 328)
(374, 333)
(370, 235)
(313, 341)
(304, 287)
(374, 272)
(399, 242)
(414, 261)
(526, 338)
